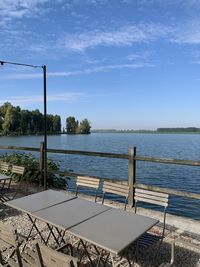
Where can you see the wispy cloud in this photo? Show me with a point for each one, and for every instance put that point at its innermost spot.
(26, 100)
(167, 3)
(195, 56)
(10, 9)
(145, 55)
(124, 36)
(105, 68)
(189, 34)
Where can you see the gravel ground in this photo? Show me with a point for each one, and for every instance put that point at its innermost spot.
(185, 255)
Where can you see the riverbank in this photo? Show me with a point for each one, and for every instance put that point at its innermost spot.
(144, 132)
(177, 227)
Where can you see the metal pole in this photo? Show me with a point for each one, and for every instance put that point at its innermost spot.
(45, 110)
(45, 126)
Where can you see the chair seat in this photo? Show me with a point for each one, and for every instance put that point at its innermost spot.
(148, 239)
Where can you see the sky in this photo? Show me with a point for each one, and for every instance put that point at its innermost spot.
(122, 64)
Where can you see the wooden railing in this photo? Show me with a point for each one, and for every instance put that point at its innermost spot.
(132, 159)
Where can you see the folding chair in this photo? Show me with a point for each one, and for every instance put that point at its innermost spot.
(173, 248)
(43, 256)
(5, 176)
(9, 245)
(161, 199)
(5, 192)
(86, 181)
(117, 189)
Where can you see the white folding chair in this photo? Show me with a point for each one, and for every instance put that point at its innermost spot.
(86, 181)
(156, 198)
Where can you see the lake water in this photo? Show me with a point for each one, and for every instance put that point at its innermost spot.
(177, 146)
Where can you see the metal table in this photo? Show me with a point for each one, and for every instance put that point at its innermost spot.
(71, 213)
(113, 230)
(3, 189)
(38, 202)
(109, 229)
(4, 177)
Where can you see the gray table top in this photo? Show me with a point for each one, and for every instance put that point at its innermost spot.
(4, 177)
(113, 230)
(71, 213)
(39, 201)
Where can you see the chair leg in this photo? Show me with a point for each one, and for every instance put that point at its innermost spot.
(103, 198)
(76, 193)
(9, 183)
(19, 259)
(95, 200)
(4, 182)
(125, 204)
(157, 253)
(1, 259)
(39, 256)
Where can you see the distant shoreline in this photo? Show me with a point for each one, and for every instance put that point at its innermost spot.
(109, 131)
(144, 132)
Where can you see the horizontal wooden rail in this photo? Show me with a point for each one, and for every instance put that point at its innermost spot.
(20, 148)
(169, 161)
(88, 153)
(168, 191)
(75, 174)
(109, 155)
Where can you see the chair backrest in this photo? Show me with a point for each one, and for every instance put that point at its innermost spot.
(8, 235)
(17, 169)
(11, 245)
(52, 258)
(151, 197)
(117, 189)
(87, 181)
(4, 166)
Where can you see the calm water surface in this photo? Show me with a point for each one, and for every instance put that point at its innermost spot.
(178, 146)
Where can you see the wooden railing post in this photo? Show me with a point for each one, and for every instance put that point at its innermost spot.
(41, 166)
(131, 174)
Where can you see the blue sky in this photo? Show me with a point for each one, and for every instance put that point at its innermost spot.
(123, 64)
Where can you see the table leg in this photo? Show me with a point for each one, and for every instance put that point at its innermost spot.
(36, 228)
(51, 232)
(87, 253)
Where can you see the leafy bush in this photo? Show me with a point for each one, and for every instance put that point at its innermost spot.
(32, 172)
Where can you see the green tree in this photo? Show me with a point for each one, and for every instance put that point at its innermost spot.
(49, 123)
(25, 122)
(36, 121)
(11, 120)
(84, 127)
(56, 124)
(71, 125)
(3, 108)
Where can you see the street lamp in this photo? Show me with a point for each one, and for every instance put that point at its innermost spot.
(45, 109)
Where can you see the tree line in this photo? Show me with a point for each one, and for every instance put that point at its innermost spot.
(17, 121)
(179, 129)
(14, 120)
(74, 127)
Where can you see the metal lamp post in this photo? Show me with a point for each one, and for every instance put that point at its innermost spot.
(45, 110)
